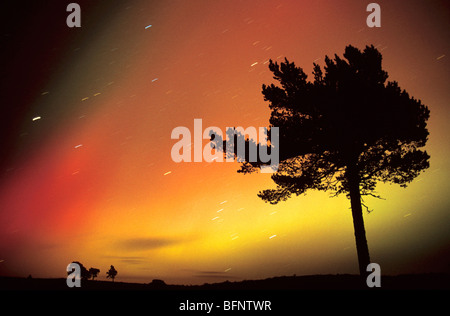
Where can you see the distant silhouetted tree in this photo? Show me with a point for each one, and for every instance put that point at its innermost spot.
(111, 273)
(156, 283)
(93, 272)
(343, 132)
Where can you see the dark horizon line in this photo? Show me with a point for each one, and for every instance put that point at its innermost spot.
(429, 280)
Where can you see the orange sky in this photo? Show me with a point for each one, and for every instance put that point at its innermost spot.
(93, 180)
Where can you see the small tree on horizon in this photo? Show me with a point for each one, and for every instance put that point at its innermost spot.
(343, 132)
(94, 272)
(111, 273)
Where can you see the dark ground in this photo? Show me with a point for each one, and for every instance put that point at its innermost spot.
(312, 282)
(289, 295)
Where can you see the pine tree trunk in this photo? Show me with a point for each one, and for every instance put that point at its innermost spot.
(358, 225)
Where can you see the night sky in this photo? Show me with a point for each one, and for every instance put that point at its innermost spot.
(87, 113)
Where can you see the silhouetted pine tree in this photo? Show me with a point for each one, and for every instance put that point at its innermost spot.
(343, 132)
